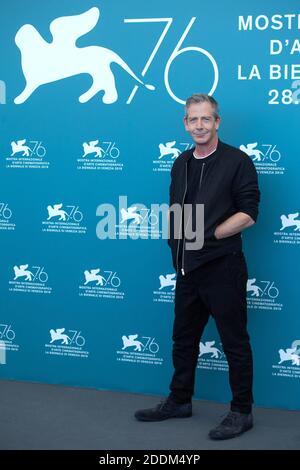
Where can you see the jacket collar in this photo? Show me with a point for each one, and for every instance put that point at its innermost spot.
(191, 151)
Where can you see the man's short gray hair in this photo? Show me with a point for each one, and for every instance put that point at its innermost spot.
(202, 98)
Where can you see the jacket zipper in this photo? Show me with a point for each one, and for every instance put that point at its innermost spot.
(183, 243)
(180, 227)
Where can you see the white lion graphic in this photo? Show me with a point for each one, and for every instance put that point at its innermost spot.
(22, 272)
(251, 287)
(290, 221)
(57, 335)
(56, 211)
(251, 151)
(167, 281)
(131, 341)
(93, 275)
(129, 214)
(208, 348)
(289, 355)
(91, 147)
(168, 149)
(46, 62)
(20, 147)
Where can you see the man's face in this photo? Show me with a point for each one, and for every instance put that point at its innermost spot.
(201, 123)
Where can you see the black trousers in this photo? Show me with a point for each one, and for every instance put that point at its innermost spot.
(219, 289)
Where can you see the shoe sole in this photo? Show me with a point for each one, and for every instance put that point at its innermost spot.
(230, 437)
(149, 420)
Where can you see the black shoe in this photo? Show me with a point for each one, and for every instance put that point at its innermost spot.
(233, 425)
(165, 410)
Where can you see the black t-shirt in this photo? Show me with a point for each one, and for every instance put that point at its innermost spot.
(196, 168)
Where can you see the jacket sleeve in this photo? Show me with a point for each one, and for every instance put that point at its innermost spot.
(246, 194)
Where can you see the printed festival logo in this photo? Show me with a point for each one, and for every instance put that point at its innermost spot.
(167, 154)
(29, 154)
(7, 341)
(139, 350)
(46, 62)
(64, 342)
(266, 158)
(263, 294)
(211, 356)
(289, 229)
(30, 279)
(6, 217)
(288, 364)
(100, 155)
(103, 285)
(136, 221)
(166, 290)
(64, 219)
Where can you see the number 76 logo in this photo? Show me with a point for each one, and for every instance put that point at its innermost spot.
(176, 53)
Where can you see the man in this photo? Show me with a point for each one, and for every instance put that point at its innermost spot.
(210, 280)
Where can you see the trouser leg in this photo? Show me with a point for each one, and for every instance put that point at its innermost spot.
(227, 297)
(191, 316)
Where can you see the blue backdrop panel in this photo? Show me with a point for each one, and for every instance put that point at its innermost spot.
(91, 108)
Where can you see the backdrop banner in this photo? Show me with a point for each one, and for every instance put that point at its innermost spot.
(92, 100)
